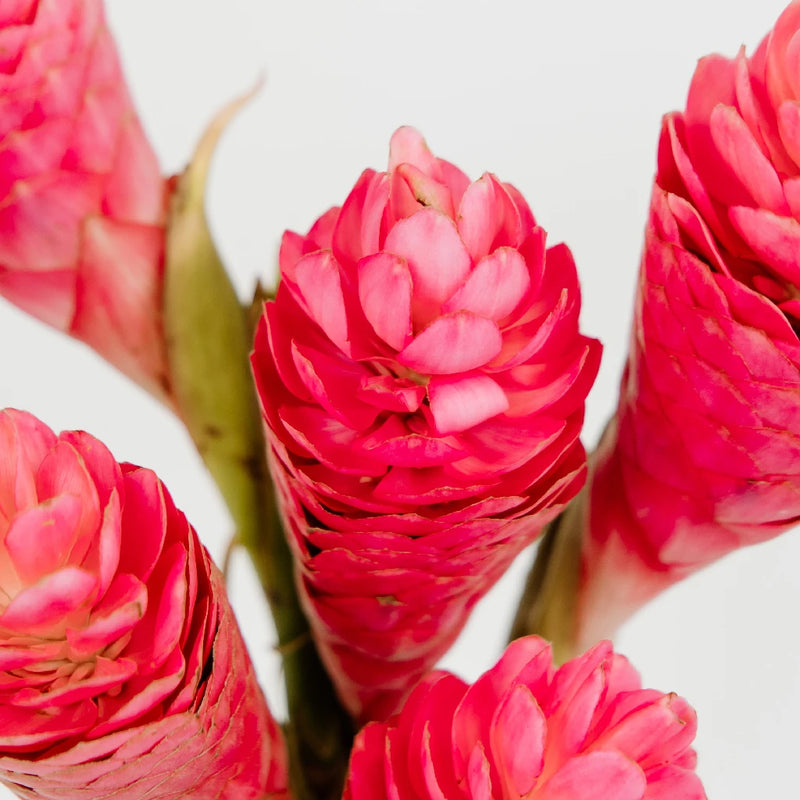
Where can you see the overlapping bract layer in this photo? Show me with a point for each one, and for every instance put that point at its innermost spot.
(122, 671)
(704, 456)
(423, 380)
(83, 201)
(586, 731)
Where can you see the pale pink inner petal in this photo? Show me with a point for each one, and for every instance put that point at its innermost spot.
(408, 147)
(48, 602)
(436, 256)
(29, 441)
(488, 217)
(596, 776)
(465, 402)
(412, 188)
(495, 287)
(41, 538)
(453, 343)
(384, 290)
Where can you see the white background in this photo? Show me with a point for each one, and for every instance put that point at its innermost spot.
(561, 98)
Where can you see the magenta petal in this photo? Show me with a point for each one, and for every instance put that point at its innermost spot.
(741, 152)
(49, 601)
(158, 634)
(384, 290)
(495, 287)
(453, 343)
(396, 445)
(461, 403)
(334, 384)
(319, 282)
(144, 510)
(329, 441)
(436, 256)
(391, 394)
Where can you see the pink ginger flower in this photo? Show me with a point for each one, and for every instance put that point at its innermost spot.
(587, 731)
(84, 204)
(704, 454)
(423, 379)
(122, 671)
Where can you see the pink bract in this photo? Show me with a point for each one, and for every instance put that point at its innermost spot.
(587, 731)
(83, 201)
(704, 454)
(422, 378)
(122, 671)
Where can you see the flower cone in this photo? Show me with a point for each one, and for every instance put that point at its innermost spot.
(422, 378)
(703, 456)
(122, 671)
(84, 203)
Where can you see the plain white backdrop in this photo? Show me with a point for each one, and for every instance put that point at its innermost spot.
(562, 99)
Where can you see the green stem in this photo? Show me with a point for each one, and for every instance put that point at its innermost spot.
(548, 607)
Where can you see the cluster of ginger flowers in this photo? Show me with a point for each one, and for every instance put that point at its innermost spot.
(421, 376)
